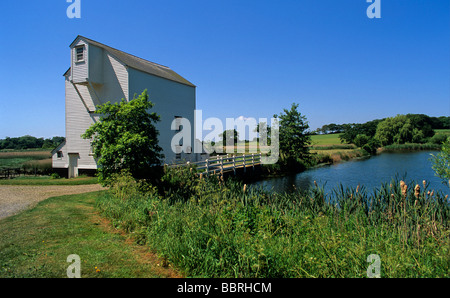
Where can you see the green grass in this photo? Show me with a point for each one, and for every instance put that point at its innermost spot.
(47, 180)
(37, 242)
(213, 228)
(328, 140)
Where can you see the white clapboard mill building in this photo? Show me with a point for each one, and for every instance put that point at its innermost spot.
(99, 73)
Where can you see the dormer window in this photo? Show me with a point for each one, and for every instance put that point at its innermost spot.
(79, 54)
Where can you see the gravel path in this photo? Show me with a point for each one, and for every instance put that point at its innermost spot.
(14, 199)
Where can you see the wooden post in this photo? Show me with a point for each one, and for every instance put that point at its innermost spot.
(221, 165)
(234, 164)
(245, 167)
(253, 161)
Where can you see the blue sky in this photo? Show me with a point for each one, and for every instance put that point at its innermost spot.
(247, 58)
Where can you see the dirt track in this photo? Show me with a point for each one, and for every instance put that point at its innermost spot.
(14, 199)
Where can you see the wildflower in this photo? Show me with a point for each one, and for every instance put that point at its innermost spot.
(245, 187)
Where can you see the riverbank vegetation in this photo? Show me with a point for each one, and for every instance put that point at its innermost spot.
(209, 227)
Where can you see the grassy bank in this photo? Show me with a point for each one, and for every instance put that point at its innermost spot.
(47, 180)
(409, 147)
(213, 228)
(37, 242)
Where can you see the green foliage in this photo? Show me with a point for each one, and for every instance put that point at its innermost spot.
(294, 139)
(224, 229)
(125, 138)
(404, 129)
(410, 128)
(441, 162)
(350, 131)
(361, 140)
(438, 138)
(29, 142)
(55, 176)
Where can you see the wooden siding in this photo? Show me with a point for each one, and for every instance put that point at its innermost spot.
(80, 69)
(78, 120)
(63, 161)
(81, 100)
(171, 99)
(115, 77)
(95, 64)
(108, 79)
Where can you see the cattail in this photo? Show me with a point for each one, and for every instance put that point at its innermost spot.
(404, 188)
(424, 184)
(357, 188)
(245, 187)
(315, 183)
(417, 190)
(201, 176)
(432, 193)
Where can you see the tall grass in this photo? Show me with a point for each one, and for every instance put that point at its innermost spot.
(209, 227)
(28, 161)
(410, 147)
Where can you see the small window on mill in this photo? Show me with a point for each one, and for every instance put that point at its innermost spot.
(79, 54)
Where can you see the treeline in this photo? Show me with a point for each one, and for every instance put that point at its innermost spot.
(442, 122)
(401, 129)
(30, 142)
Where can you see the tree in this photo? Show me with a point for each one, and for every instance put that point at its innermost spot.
(294, 138)
(125, 138)
(230, 136)
(263, 134)
(361, 140)
(411, 128)
(441, 162)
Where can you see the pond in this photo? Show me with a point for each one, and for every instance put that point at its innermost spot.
(370, 172)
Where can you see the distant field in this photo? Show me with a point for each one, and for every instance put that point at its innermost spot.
(17, 159)
(326, 140)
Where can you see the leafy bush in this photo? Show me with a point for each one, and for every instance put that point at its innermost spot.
(438, 139)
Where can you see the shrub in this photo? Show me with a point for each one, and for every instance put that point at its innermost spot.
(438, 139)
(55, 176)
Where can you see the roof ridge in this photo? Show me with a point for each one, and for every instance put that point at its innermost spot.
(106, 46)
(138, 63)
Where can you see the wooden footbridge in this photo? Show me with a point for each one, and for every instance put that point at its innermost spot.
(220, 165)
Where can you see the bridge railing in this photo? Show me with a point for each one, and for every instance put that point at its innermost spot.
(224, 163)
